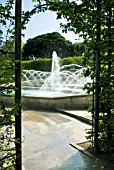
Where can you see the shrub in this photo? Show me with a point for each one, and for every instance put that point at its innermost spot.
(45, 64)
(72, 60)
(38, 64)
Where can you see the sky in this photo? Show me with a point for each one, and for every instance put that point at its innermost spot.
(43, 23)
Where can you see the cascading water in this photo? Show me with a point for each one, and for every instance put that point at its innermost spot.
(65, 80)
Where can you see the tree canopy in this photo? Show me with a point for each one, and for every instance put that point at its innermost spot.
(7, 55)
(44, 45)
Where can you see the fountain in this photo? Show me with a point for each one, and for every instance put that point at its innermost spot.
(60, 88)
(62, 81)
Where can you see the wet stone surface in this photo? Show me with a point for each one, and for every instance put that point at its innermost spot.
(46, 139)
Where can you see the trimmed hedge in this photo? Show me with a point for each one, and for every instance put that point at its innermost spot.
(45, 64)
(38, 64)
(72, 60)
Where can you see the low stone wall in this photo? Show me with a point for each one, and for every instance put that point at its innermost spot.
(64, 102)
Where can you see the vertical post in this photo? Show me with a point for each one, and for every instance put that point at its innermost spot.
(97, 85)
(109, 20)
(93, 104)
(18, 83)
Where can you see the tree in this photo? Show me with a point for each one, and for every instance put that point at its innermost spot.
(7, 139)
(7, 61)
(79, 48)
(44, 45)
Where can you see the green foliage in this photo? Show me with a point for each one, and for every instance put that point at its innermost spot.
(7, 138)
(38, 64)
(7, 63)
(45, 64)
(106, 138)
(44, 45)
(6, 20)
(72, 60)
(7, 142)
(79, 48)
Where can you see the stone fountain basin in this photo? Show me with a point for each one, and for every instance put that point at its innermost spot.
(51, 92)
(78, 101)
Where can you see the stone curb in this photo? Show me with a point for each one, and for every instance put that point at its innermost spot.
(76, 146)
(83, 119)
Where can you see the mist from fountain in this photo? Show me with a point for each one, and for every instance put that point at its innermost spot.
(65, 80)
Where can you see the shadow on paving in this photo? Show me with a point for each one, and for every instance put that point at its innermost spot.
(80, 161)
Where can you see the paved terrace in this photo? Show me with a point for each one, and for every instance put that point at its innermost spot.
(46, 142)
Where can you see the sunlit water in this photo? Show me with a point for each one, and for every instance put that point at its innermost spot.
(65, 80)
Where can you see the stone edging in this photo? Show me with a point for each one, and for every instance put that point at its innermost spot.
(83, 119)
(76, 146)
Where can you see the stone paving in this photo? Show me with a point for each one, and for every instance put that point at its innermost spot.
(82, 115)
(46, 139)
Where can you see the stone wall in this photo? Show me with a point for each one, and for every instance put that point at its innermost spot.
(65, 102)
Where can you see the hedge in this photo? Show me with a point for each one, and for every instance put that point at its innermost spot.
(38, 64)
(45, 64)
(72, 60)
